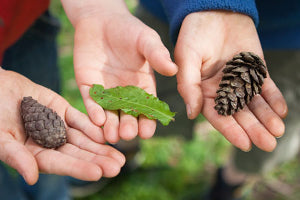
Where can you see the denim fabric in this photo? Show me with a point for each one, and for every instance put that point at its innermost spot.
(35, 56)
(10, 186)
(48, 187)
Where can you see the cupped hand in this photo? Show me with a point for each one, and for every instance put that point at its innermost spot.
(206, 41)
(82, 157)
(114, 48)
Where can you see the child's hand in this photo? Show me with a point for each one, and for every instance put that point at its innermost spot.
(205, 42)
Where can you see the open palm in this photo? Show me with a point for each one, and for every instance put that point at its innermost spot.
(82, 157)
(118, 50)
(206, 41)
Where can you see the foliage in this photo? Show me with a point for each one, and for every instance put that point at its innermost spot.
(133, 101)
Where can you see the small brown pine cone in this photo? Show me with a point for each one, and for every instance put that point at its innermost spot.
(242, 79)
(42, 124)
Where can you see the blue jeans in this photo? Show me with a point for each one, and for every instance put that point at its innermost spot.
(35, 56)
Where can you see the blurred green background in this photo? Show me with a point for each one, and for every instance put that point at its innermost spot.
(171, 167)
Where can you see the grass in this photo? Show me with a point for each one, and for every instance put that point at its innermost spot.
(171, 167)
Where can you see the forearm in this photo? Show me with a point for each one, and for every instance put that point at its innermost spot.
(81, 9)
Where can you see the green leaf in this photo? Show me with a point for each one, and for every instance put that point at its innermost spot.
(132, 100)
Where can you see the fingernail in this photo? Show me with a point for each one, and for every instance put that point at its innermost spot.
(188, 110)
(279, 136)
(281, 131)
(113, 143)
(278, 127)
(283, 109)
(247, 150)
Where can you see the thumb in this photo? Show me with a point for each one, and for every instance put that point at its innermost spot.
(189, 78)
(151, 47)
(18, 157)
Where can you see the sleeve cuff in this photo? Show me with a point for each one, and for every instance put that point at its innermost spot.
(177, 10)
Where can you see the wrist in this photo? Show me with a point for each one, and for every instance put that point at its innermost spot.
(80, 10)
(221, 16)
(178, 10)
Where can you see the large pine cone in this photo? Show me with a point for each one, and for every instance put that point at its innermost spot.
(43, 125)
(243, 78)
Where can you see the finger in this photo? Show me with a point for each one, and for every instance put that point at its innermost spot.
(80, 121)
(146, 127)
(227, 126)
(109, 166)
(128, 126)
(257, 133)
(267, 116)
(189, 79)
(81, 141)
(54, 162)
(95, 112)
(111, 127)
(151, 47)
(18, 157)
(274, 98)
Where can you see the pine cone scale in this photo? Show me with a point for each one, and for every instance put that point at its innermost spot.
(242, 79)
(42, 124)
(237, 82)
(240, 69)
(253, 75)
(246, 77)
